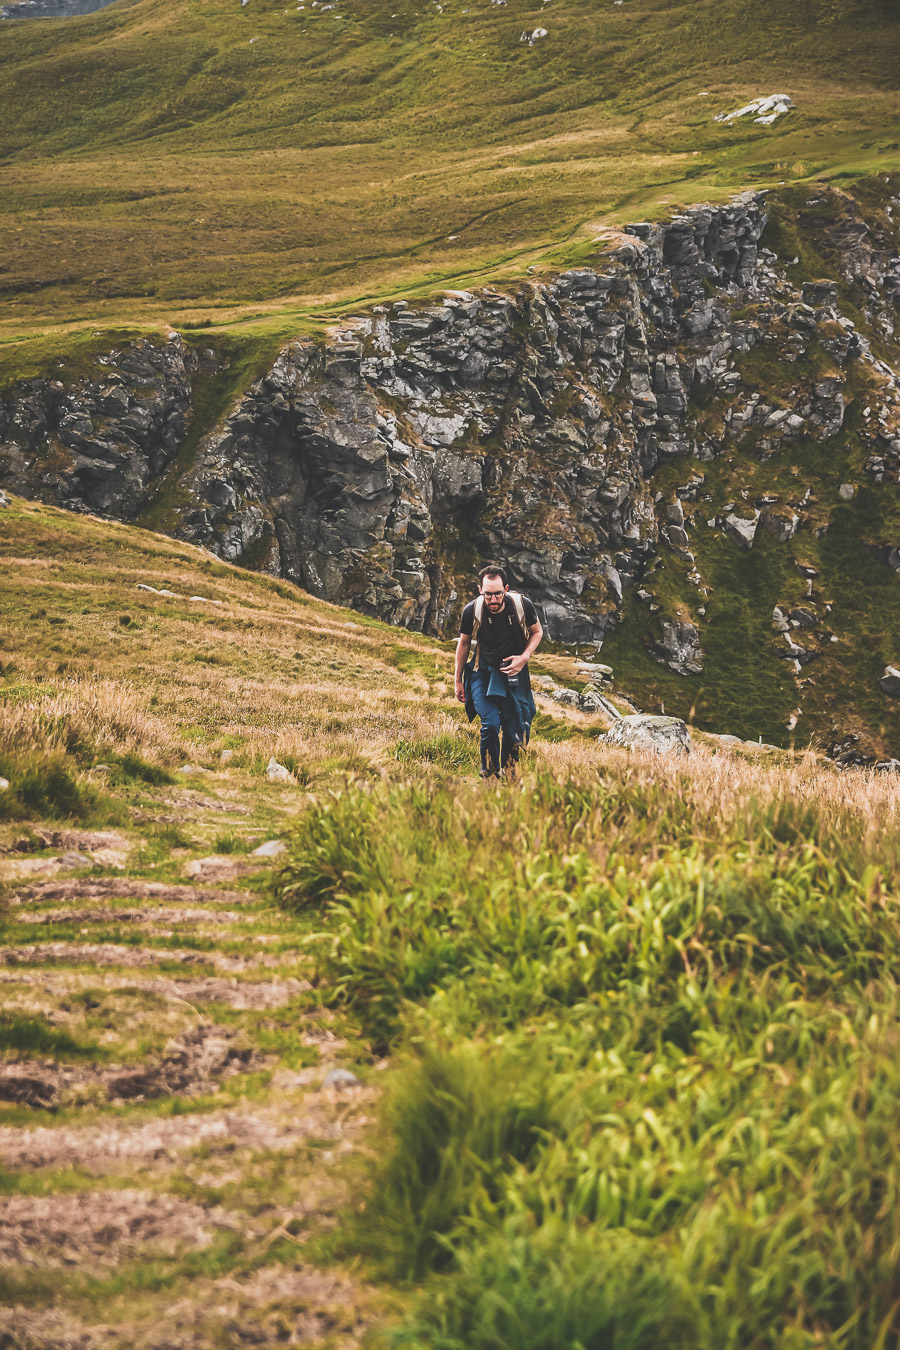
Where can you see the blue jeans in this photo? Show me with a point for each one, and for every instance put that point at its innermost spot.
(488, 709)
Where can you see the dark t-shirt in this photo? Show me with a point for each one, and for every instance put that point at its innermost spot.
(500, 635)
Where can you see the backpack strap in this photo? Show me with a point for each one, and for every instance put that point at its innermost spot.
(519, 606)
(476, 624)
(479, 615)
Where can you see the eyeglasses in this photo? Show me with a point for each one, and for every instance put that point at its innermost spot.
(492, 597)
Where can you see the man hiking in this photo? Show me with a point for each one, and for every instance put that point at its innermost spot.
(495, 684)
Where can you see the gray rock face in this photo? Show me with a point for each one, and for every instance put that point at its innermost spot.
(98, 446)
(655, 735)
(679, 647)
(340, 1080)
(740, 530)
(519, 425)
(278, 773)
(272, 848)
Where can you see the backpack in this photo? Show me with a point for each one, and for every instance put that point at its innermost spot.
(518, 606)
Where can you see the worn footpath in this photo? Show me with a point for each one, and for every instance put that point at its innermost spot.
(173, 1152)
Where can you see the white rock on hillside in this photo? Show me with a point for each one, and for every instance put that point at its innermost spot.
(277, 773)
(272, 848)
(890, 681)
(642, 731)
(766, 110)
(339, 1079)
(740, 531)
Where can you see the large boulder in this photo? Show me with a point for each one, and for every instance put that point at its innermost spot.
(890, 681)
(643, 731)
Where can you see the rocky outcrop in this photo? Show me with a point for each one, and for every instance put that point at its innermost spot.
(98, 445)
(890, 681)
(679, 647)
(379, 468)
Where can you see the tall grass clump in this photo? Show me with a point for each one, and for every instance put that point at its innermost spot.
(49, 737)
(48, 787)
(647, 1018)
(448, 750)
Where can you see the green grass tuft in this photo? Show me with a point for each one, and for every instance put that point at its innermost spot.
(453, 751)
(36, 1036)
(49, 787)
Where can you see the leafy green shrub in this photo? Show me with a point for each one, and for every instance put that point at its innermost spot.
(557, 1289)
(459, 1119)
(418, 897)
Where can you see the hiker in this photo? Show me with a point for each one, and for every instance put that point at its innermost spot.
(495, 684)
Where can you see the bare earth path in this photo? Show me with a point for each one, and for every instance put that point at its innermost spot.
(171, 1155)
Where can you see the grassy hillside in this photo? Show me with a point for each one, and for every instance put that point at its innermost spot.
(624, 1031)
(211, 161)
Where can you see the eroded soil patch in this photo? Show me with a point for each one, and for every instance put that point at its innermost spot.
(150, 919)
(197, 1061)
(290, 1303)
(323, 1115)
(103, 1228)
(111, 954)
(242, 995)
(138, 1170)
(125, 888)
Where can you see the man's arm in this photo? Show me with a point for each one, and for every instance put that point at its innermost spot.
(513, 664)
(462, 654)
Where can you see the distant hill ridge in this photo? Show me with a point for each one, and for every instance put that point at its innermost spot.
(207, 162)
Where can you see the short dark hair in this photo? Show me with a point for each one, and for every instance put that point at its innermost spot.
(492, 570)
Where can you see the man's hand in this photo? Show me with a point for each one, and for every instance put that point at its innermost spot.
(460, 692)
(511, 665)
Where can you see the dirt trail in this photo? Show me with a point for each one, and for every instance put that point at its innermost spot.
(97, 954)
(103, 1227)
(162, 1107)
(239, 994)
(327, 1116)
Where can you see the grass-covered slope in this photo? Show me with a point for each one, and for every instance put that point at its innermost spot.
(212, 159)
(631, 1024)
(95, 669)
(649, 1018)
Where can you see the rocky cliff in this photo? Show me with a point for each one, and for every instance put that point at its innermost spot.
(688, 451)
